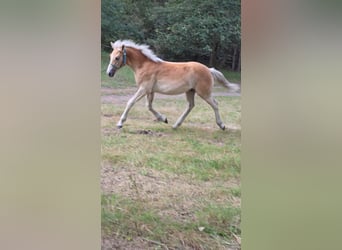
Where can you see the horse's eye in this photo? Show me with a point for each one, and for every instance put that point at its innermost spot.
(117, 58)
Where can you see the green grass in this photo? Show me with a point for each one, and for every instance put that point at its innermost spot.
(211, 228)
(236, 192)
(193, 149)
(219, 220)
(199, 158)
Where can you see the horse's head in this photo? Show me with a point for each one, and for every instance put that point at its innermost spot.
(117, 60)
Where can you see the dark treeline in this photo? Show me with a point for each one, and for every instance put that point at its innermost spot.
(207, 31)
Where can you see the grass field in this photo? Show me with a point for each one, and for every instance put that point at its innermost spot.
(164, 188)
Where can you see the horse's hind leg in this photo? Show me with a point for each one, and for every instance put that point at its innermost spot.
(190, 96)
(137, 96)
(213, 103)
(159, 116)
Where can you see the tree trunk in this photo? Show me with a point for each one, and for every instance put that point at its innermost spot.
(213, 54)
(239, 58)
(234, 58)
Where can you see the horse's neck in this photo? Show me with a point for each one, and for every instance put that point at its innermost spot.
(135, 59)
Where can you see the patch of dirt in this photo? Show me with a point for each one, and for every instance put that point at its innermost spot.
(115, 131)
(110, 131)
(115, 99)
(148, 132)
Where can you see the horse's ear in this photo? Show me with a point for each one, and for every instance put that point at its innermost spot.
(112, 44)
(123, 46)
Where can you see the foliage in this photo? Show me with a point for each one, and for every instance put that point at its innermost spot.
(195, 29)
(206, 31)
(119, 21)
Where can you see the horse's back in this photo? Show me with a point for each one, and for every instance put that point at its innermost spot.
(187, 69)
(189, 66)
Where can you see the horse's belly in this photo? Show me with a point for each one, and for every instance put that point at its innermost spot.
(170, 88)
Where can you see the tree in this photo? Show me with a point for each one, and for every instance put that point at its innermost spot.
(119, 21)
(206, 31)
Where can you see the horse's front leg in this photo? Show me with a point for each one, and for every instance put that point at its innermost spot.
(159, 116)
(137, 96)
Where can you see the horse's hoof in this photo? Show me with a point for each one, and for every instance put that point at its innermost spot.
(119, 126)
(223, 127)
(166, 120)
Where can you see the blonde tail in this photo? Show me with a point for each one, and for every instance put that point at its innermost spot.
(219, 77)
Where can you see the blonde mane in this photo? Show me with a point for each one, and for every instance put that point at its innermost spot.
(142, 47)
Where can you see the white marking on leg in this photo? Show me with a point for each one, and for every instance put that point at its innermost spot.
(137, 96)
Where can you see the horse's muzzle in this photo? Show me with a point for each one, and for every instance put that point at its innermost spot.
(111, 73)
(111, 70)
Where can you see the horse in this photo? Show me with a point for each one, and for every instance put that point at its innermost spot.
(154, 75)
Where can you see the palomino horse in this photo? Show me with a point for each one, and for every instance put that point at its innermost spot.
(153, 75)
